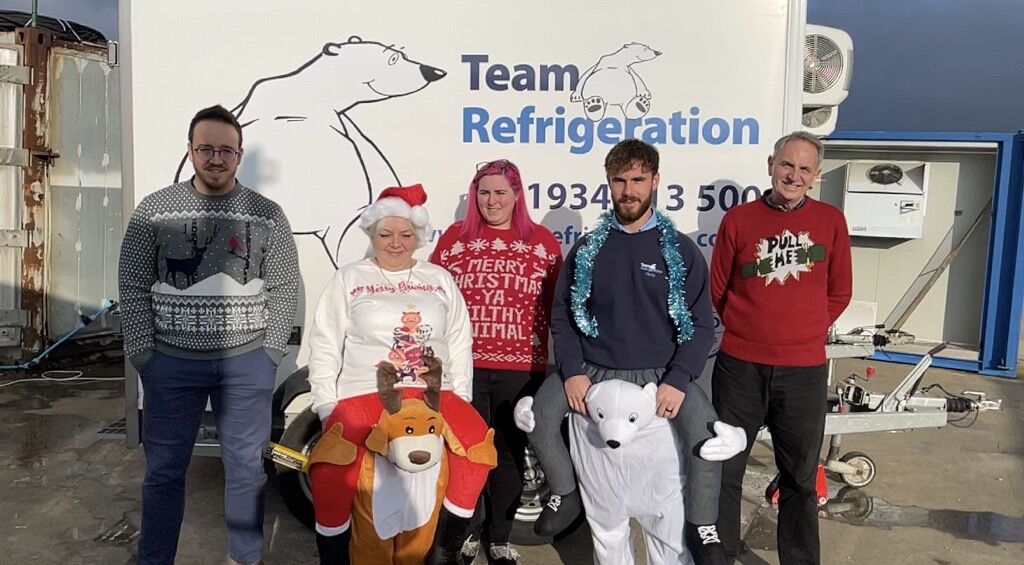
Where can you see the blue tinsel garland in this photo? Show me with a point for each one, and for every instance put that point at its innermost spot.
(584, 270)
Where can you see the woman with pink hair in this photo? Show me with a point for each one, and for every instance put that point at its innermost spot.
(506, 267)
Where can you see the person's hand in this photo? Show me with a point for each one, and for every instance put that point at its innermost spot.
(669, 400)
(324, 412)
(576, 388)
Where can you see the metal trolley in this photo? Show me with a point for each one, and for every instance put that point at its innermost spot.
(854, 410)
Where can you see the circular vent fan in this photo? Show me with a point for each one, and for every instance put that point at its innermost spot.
(816, 117)
(886, 173)
(823, 63)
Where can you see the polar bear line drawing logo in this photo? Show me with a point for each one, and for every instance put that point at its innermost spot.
(303, 148)
(612, 81)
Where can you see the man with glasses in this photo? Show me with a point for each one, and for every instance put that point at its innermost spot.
(208, 280)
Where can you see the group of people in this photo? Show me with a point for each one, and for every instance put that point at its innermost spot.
(632, 300)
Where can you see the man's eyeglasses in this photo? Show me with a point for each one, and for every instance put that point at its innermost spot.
(227, 155)
(500, 164)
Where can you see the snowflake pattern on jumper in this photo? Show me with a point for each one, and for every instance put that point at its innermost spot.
(504, 281)
(202, 273)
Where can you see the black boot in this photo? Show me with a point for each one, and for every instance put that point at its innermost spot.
(333, 550)
(451, 533)
(558, 514)
(704, 545)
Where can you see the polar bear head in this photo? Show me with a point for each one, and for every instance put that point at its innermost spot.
(620, 409)
(376, 70)
(635, 53)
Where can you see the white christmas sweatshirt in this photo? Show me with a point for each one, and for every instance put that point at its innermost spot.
(366, 316)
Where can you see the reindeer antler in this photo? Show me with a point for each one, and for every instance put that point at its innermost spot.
(432, 396)
(387, 377)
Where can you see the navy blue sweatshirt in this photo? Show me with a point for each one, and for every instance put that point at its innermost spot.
(629, 299)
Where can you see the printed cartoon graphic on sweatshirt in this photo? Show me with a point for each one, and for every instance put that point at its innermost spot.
(782, 256)
(410, 346)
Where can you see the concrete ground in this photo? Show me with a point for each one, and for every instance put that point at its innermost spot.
(69, 490)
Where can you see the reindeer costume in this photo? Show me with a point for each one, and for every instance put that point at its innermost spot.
(365, 321)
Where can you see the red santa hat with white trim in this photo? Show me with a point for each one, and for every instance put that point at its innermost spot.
(403, 202)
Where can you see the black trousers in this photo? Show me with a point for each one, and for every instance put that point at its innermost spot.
(792, 402)
(495, 393)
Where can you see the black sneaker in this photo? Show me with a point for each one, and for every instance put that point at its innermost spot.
(705, 546)
(558, 514)
(503, 554)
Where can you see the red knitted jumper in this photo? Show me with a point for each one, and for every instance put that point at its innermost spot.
(508, 285)
(779, 280)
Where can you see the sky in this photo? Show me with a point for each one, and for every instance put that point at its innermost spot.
(919, 65)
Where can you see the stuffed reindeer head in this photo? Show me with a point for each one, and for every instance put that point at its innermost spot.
(411, 432)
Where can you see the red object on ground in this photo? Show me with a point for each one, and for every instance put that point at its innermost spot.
(820, 486)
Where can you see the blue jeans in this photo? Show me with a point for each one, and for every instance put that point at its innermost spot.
(240, 389)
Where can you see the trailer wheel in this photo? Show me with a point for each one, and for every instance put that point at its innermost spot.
(865, 472)
(860, 504)
(531, 502)
(294, 485)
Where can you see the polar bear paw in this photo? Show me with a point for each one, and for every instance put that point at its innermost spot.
(728, 441)
(523, 414)
(594, 107)
(638, 106)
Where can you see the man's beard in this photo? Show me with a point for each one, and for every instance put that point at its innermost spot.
(208, 178)
(626, 216)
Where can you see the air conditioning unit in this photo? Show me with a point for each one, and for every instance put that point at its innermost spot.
(819, 120)
(828, 65)
(886, 198)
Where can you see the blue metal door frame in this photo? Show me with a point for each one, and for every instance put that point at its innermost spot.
(999, 333)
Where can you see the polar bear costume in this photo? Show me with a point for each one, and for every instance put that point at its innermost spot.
(628, 466)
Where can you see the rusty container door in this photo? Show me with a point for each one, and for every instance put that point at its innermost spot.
(13, 159)
(60, 189)
(84, 195)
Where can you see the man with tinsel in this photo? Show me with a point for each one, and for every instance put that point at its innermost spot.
(632, 303)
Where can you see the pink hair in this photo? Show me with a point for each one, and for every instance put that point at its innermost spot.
(522, 224)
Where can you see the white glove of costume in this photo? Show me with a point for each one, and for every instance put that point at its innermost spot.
(523, 414)
(728, 441)
(324, 411)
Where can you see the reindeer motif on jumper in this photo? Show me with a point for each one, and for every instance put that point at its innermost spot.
(188, 265)
(409, 347)
(210, 273)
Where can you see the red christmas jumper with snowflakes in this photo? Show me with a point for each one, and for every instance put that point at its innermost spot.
(508, 285)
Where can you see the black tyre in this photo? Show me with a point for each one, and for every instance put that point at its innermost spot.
(531, 502)
(294, 485)
(859, 505)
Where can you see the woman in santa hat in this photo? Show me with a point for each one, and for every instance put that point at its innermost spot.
(391, 308)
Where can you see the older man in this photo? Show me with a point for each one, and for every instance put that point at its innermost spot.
(780, 277)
